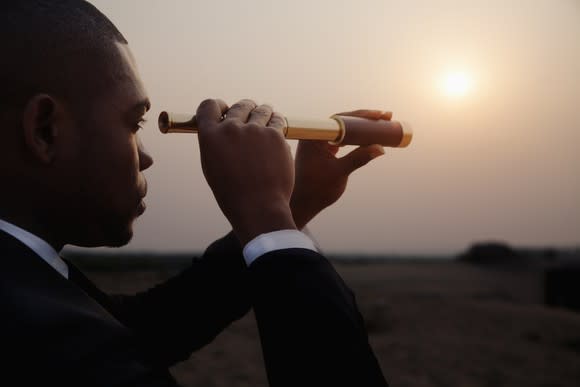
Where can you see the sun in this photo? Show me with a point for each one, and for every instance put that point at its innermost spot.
(456, 84)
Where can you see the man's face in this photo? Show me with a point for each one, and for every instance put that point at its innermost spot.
(110, 160)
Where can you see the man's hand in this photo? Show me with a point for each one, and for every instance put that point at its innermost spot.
(248, 165)
(321, 177)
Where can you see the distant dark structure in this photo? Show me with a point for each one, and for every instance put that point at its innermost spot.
(492, 253)
(560, 269)
(562, 286)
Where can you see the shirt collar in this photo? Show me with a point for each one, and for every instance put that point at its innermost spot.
(39, 246)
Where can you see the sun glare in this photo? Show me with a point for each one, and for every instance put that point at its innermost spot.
(457, 84)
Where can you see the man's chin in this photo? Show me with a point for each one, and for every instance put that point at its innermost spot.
(121, 238)
(120, 242)
(118, 238)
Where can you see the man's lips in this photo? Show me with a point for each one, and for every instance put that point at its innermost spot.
(141, 207)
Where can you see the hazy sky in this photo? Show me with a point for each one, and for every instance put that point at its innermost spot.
(501, 161)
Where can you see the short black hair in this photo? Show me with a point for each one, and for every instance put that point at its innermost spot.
(47, 45)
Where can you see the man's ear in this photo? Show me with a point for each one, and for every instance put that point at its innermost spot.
(39, 121)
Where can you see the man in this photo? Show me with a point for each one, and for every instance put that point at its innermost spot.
(72, 173)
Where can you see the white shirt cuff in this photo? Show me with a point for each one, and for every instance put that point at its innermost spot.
(276, 240)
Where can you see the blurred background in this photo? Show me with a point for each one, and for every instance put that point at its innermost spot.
(491, 89)
(463, 248)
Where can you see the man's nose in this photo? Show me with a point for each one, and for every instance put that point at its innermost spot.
(145, 159)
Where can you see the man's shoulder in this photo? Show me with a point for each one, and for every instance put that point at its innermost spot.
(34, 293)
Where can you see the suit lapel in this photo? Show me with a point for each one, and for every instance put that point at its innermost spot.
(80, 279)
(23, 269)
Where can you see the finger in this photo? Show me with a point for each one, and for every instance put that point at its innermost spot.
(387, 116)
(320, 147)
(333, 149)
(210, 112)
(260, 115)
(240, 111)
(278, 122)
(369, 114)
(360, 156)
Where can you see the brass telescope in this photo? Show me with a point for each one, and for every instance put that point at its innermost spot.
(338, 130)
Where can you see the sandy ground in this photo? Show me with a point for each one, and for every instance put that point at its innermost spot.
(430, 324)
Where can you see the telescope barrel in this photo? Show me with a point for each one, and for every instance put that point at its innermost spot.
(339, 130)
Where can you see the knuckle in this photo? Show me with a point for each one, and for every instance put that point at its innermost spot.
(261, 117)
(206, 103)
(230, 125)
(277, 121)
(265, 108)
(253, 128)
(247, 101)
(262, 111)
(244, 103)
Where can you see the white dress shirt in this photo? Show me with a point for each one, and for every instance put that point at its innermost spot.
(39, 246)
(276, 240)
(260, 245)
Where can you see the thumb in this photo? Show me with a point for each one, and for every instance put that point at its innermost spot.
(360, 156)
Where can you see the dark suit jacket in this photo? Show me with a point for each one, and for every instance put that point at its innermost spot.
(55, 331)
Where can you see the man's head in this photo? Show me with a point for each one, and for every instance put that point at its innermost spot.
(71, 103)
